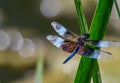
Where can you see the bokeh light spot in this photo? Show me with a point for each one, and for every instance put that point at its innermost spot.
(4, 40)
(50, 8)
(16, 40)
(28, 48)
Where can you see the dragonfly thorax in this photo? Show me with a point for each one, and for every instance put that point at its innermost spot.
(80, 41)
(85, 37)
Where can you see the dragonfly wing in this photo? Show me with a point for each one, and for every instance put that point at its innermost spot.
(104, 43)
(71, 55)
(62, 31)
(95, 54)
(59, 42)
(98, 54)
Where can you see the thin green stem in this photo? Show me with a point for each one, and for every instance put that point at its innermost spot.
(39, 70)
(81, 17)
(117, 7)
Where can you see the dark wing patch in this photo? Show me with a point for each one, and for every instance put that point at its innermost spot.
(85, 51)
(69, 46)
(59, 42)
(95, 54)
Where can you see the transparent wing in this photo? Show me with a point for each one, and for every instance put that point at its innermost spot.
(104, 43)
(62, 31)
(59, 42)
(95, 54)
(98, 54)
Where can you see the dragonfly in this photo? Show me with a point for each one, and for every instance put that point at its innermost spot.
(74, 44)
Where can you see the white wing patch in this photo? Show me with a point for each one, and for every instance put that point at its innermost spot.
(55, 40)
(98, 54)
(59, 28)
(105, 43)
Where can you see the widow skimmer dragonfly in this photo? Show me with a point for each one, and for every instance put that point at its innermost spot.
(74, 44)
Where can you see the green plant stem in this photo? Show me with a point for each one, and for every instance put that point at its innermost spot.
(96, 74)
(117, 8)
(88, 66)
(99, 24)
(39, 70)
(84, 29)
(100, 19)
(81, 17)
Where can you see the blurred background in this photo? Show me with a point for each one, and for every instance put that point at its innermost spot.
(24, 25)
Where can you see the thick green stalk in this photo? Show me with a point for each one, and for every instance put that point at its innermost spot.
(96, 74)
(98, 27)
(99, 24)
(100, 20)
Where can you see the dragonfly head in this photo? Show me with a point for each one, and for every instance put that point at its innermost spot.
(86, 35)
(83, 38)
